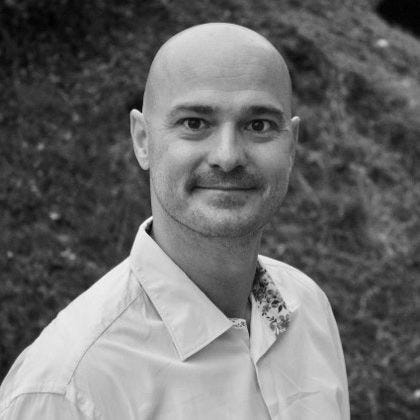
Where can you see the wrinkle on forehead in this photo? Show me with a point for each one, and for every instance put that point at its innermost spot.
(223, 54)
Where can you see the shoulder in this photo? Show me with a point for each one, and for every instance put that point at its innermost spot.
(49, 363)
(304, 298)
(286, 275)
(309, 305)
(296, 287)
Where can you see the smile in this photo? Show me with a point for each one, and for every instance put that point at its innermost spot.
(225, 188)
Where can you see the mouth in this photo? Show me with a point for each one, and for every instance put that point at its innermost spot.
(228, 188)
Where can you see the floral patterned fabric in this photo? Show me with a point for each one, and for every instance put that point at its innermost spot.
(270, 302)
(238, 322)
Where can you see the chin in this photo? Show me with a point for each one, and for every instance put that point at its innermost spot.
(223, 224)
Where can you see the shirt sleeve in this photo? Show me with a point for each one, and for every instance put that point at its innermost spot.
(341, 364)
(45, 406)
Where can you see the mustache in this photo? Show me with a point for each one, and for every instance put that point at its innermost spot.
(237, 178)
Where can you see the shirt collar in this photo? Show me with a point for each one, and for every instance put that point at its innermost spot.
(270, 302)
(270, 316)
(193, 321)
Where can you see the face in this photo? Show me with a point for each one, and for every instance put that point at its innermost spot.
(219, 146)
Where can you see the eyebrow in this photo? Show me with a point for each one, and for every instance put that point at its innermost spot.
(209, 110)
(196, 108)
(266, 110)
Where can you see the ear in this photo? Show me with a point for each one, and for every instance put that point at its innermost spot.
(140, 138)
(295, 134)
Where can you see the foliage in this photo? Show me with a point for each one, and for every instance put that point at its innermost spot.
(32, 30)
(72, 196)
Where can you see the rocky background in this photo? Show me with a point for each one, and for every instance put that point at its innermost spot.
(72, 196)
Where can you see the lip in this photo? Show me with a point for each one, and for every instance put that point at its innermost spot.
(225, 188)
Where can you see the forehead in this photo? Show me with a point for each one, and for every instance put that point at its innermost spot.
(220, 72)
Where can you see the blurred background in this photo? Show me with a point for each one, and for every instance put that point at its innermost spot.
(72, 195)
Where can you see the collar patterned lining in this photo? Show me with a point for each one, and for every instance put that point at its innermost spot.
(238, 322)
(269, 301)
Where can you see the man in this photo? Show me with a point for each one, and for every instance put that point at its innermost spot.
(194, 324)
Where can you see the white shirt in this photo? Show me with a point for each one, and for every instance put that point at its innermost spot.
(144, 342)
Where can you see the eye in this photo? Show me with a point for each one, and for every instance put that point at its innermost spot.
(260, 126)
(194, 123)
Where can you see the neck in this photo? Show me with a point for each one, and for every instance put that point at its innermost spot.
(223, 268)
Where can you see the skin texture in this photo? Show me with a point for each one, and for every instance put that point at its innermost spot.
(217, 135)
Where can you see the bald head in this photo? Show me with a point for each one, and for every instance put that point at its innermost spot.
(216, 130)
(216, 51)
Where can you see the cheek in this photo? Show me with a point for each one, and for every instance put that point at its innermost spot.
(172, 160)
(275, 165)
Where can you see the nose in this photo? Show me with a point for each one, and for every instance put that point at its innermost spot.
(227, 150)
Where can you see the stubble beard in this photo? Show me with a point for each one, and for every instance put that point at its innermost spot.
(208, 224)
(189, 212)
